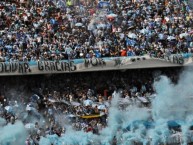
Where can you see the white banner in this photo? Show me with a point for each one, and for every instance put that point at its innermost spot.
(94, 64)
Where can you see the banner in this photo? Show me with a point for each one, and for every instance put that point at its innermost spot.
(90, 116)
(94, 64)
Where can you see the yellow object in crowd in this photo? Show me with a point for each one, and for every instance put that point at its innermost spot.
(69, 3)
(90, 116)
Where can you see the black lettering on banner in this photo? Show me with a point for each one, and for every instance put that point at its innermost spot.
(62, 66)
(86, 62)
(47, 67)
(72, 66)
(167, 58)
(7, 67)
(14, 67)
(52, 66)
(66, 66)
(26, 67)
(20, 68)
(94, 62)
(101, 61)
(40, 66)
(117, 62)
(175, 59)
(1, 67)
(133, 59)
(180, 59)
(58, 68)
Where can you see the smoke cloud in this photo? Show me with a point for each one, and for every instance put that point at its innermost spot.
(15, 134)
(172, 105)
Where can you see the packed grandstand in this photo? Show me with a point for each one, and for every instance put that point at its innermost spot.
(55, 30)
(76, 72)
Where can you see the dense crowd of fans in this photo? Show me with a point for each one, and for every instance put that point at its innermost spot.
(33, 30)
(60, 100)
(56, 30)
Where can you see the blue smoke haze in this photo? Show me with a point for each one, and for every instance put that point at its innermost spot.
(13, 134)
(172, 105)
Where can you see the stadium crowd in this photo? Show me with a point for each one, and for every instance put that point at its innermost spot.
(48, 104)
(32, 30)
(56, 30)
